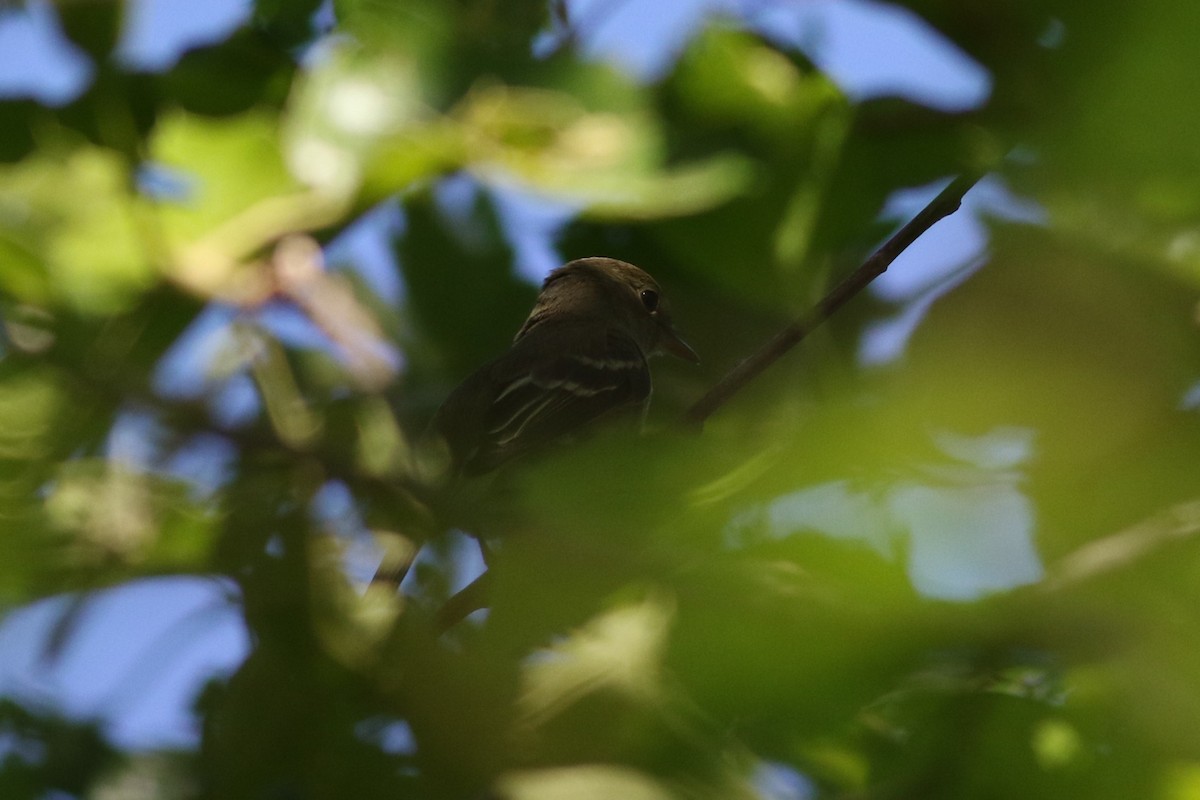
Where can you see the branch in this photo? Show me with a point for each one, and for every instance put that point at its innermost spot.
(1112, 553)
(468, 600)
(945, 204)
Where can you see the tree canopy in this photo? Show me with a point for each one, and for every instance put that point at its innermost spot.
(944, 547)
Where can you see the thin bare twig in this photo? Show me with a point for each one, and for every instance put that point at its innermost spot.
(465, 602)
(1136, 543)
(945, 204)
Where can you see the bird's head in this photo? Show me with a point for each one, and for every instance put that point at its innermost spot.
(617, 292)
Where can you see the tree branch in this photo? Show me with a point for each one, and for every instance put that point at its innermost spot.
(468, 600)
(945, 204)
(1112, 553)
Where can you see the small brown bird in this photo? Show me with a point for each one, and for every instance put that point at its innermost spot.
(581, 355)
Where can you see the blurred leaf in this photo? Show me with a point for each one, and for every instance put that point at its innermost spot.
(120, 519)
(50, 753)
(71, 216)
(287, 21)
(583, 782)
(459, 40)
(351, 106)
(422, 30)
(244, 72)
(351, 626)
(31, 404)
(237, 199)
(608, 163)
(1182, 782)
(733, 81)
(289, 413)
(227, 165)
(441, 253)
(732, 87)
(16, 128)
(146, 776)
(685, 190)
(621, 651)
(35, 405)
(1077, 343)
(117, 111)
(93, 25)
(406, 162)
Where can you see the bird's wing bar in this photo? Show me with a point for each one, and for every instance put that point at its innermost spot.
(551, 398)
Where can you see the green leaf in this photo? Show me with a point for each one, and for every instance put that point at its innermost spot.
(72, 217)
(359, 114)
(583, 783)
(228, 165)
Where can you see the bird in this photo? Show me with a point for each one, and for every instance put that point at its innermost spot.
(581, 356)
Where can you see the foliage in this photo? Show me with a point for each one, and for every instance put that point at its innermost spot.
(970, 572)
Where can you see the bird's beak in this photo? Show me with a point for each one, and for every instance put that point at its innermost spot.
(672, 343)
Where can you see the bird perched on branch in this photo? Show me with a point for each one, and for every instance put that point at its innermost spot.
(580, 356)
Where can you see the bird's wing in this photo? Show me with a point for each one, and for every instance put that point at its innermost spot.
(540, 399)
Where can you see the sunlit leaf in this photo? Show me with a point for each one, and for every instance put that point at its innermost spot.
(226, 166)
(72, 217)
(343, 110)
(584, 782)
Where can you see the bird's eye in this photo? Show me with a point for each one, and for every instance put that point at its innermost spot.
(650, 300)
